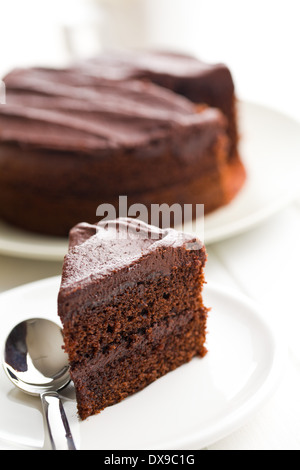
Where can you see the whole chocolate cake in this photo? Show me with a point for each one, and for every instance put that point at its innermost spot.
(131, 307)
(157, 128)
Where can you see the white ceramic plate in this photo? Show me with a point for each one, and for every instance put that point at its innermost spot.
(270, 147)
(190, 408)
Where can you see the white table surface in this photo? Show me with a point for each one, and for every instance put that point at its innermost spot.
(263, 263)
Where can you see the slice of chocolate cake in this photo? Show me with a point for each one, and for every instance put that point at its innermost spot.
(131, 307)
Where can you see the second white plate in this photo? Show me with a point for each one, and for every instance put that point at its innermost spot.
(270, 148)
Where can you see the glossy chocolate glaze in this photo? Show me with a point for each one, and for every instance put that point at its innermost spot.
(122, 65)
(48, 108)
(184, 74)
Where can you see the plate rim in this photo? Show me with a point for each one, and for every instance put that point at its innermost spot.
(228, 424)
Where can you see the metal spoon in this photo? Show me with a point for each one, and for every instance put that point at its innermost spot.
(36, 363)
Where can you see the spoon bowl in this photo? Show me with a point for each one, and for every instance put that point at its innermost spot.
(34, 359)
(35, 362)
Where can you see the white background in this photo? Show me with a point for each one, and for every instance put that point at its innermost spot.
(259, 40)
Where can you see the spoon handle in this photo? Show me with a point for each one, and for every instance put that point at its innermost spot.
(57, 424)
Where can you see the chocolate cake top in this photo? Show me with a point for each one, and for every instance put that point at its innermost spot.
(107, 248)
(184, 74)
(128, 64)
(77, 109)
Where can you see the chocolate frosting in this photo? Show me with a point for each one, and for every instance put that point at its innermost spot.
(128, 64)
(117, 247)
(184, 74)
(79, 109)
